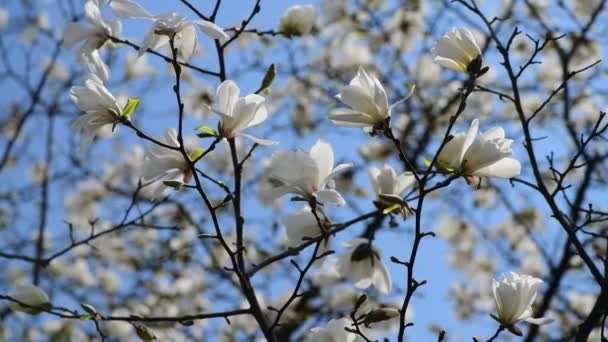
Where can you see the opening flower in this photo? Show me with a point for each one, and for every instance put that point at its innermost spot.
(389, 187)
(167, 26)
(239, 113)
(488, 155)
(170, 164)
(99, 105)
(94, 37)
(514, 296)
(457, 50)
(306, 174)
(368, 103)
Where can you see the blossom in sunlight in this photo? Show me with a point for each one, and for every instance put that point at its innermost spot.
(100, 106)
(368, 103)
(362, 264)
(170, 164)
(514, 296)
(388, 187)
(94, 36)
(167, 26)
(457, 50)
(239, 113)
(488, 155)
(333, 332)
(386, 181)
(34, 298)
(306, 174)
(298, 20)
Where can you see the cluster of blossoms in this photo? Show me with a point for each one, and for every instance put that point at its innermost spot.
(309, 175)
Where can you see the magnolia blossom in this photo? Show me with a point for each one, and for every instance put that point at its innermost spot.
(34, 297)
(334, 332)
(388, 187)
(162, 161)
(239, 113)
(99, 105)
(488, 155)
(514, 296)
(94, 37)
(298, 20)
(386, 181)
(167, 26)
(457, 50)
(367, 100)
(306, 174)
(362, 264)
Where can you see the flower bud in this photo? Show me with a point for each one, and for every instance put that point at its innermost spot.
(380, 315)
(34, 298)
(143, 332)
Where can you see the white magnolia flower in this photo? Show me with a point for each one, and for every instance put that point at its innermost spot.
(389, 186)
(100, 106)
(457, 50)
(239, 113)
(362, 264)
(298, 20)
(34, 297)
(386, 181)
(367, 100)
(167, 163)
(301, 224)
(488, 155)
(166, 26)
(94, 37)
(306, 174)
(334, 332)
(514, 296)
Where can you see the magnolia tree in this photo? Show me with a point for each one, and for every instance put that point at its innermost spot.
(337, 171)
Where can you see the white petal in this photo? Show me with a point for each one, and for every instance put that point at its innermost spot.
(259, 141)
(450, 64)
(212, 30)
(358, 99)
(188, 42)
(504, 168)
(96, 65)
(382, 278)
(74, 33)
(539, 321)
(129, 9)
(468, 140)
(323, 155)
(227, 94)
(351, 118)
(330, 196)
